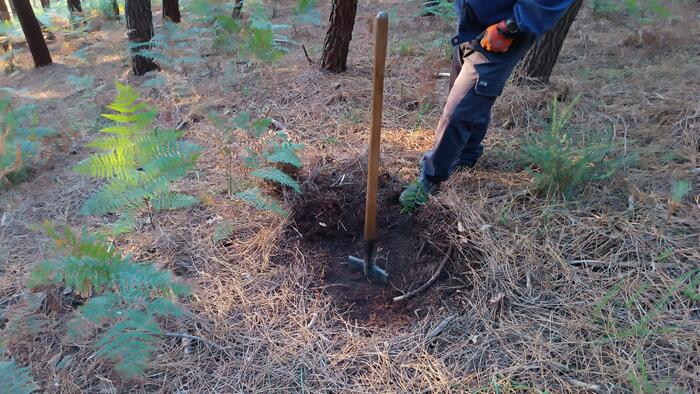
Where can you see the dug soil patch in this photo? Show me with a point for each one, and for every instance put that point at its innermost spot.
(328, 224)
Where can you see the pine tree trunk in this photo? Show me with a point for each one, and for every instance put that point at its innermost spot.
(139, 25)
(171, 10)
(74, 6)
(46, 4)
(4, 12)
(237, 7)
(32, 32)
(539, 63)
(337, 43)
(12, 7)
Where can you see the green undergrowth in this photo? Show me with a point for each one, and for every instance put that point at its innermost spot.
(270, 159)
(21, 139)
(563, 159)
(139, 163)
(123, 299)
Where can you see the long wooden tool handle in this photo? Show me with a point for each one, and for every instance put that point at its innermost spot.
(380, 44)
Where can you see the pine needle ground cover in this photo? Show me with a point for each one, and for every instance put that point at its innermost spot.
(596, 293)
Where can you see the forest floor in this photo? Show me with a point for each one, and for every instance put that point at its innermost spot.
(539, 294)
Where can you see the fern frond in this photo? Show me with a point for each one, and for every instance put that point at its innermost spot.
(115, 196)
(126, 96)
(278, 176)
(109, 142)
(254, 197)
(15, 379)
(284, 155)
(120, 130)
(139, 163)
(125, 224)
(147, 280)
(222, 231)
(130, 343)
(137, 118)
(119, 163)
(172, 200)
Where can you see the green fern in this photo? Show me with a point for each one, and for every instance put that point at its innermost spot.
(138, 162)
(284, 152)
(679, 190)
(222, 231)
(278, 176)
(307, 13)
(16, 380)
(258, 200)
(121, 294)
(20, 139)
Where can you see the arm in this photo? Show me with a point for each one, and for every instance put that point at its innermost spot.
(539, 16)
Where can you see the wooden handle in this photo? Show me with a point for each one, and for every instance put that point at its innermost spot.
(380, 44)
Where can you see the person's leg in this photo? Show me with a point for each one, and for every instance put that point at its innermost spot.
(456, 66)
(473, 149)
(452, 134)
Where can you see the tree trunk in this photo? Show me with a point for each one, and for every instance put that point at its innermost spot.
(4, 12)
(32, 32)
(171, 10)
(115, 9)
(337, 43)
(237, 7)
(139, 25)
(12, 7)
(538, 64)
(45, 4)
(74, 6)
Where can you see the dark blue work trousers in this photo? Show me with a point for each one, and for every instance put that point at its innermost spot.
(477, 78)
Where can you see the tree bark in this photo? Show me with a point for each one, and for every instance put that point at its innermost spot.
(115, 9)
(171, 10)
(337, 43)
(237, 7)
(74, 6)
(539, 63)
(139, 25)
(32, 32)
(12, 7)
(46, 4)
(4, 12)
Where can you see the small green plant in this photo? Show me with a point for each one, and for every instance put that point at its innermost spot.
(269, 162)
(138, 162)
(679, 190)
(306, 13)
(123, 298)
(269, 157)
(640, 380)
(222, 231)
(172, 47)
(443, 9)
(20, 139)
(254, 39)
(16, 380)
(633, 7)
(559, 163)
(614, 303)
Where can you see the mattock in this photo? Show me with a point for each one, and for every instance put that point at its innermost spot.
(367, 265)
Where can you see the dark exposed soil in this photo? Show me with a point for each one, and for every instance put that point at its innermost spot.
(330, 221)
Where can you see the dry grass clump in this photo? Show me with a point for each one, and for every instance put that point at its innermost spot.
(573, 293)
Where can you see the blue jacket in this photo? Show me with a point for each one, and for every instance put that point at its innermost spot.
(534, 17)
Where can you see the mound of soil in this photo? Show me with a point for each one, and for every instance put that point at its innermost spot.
(329, 224)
